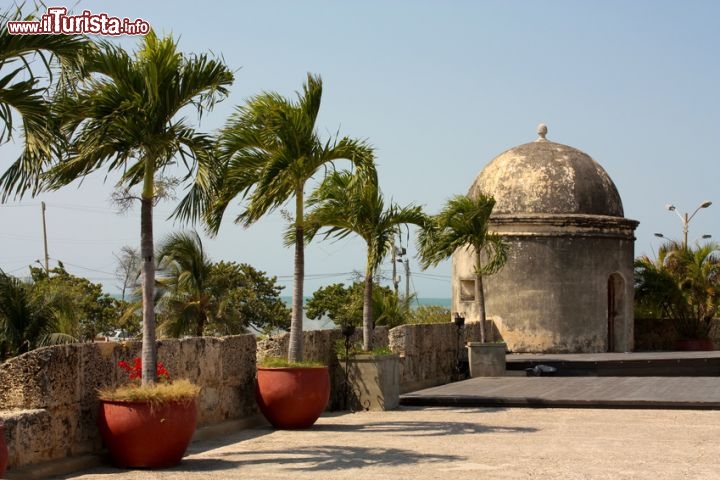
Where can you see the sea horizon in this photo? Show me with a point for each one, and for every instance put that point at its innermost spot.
(438, 301)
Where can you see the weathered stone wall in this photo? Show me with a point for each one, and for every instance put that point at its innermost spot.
(429, 353)
(552, 295)
(48, 397)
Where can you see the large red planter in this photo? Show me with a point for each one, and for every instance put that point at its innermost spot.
(293, 397)
(3, 451)
(137, 434)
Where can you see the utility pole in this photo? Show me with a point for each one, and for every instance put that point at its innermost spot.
(47, 257)
(394, 267)
(407, 278)
(399, 252)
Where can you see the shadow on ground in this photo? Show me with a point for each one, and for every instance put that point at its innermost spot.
(427, 429)
(319, 458)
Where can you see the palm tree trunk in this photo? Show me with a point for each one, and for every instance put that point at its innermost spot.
(367, 310)
(295, 348)
(200, 328)
(480, 294)
(149, 347)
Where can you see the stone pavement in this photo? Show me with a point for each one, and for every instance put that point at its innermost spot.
(460, 443)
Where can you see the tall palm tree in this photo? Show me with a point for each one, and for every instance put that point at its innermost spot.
(26, 61)
(130, 116)
(346, 203)
(463, 223)
(184, 279)
(271, 149)
(682, 284)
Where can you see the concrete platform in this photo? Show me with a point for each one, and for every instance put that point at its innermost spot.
(575, 392)
(667, 380)
(636, 364)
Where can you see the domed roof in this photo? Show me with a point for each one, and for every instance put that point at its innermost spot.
(548, 178)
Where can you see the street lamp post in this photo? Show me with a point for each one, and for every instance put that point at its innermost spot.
(685, 218)
(703, 237)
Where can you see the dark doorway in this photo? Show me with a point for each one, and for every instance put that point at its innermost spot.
(615, 312)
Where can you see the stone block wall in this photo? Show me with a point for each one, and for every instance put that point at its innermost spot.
(48, 397)
(429, 352)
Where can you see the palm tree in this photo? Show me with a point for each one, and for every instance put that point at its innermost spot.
(682, 284)
(27, 320)
(463, 223)
(23, 92)
(187, 300)
(130, 116)
(271, 149)
(346, 203)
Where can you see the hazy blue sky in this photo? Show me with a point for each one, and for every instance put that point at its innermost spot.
(439, 88)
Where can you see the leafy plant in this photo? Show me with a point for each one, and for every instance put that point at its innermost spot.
(164, 391)
(277, 362)
(430, 314)
(682, 284)
(344, 305)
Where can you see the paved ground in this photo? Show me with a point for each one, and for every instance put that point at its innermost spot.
(461, 443)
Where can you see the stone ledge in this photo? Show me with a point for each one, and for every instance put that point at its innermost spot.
(66, 466)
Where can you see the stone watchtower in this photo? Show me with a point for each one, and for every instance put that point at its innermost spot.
(568, 283)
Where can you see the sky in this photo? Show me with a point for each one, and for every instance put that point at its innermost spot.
(439, 88)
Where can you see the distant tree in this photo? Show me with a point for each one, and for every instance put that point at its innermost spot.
(51, 308)
(340, 303)
(127, 271)
(81, 309)
(26, 321)
(199, 297)
(252, 302)
(186, 300)
(344, 305)
(463, 223)
(389, 310)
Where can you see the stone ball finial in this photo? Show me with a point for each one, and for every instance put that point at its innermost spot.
(542, 131)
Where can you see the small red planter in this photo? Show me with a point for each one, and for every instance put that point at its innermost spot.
(294, 397)
(138, 435)
(695, 345)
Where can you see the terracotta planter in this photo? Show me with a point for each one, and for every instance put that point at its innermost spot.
(3, 452)
(695, 345)
(138, 435)
(292, 397)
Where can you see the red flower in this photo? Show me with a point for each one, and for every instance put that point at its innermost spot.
(135, 370)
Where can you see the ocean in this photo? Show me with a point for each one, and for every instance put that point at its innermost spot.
(441, 302)
(326, 323)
